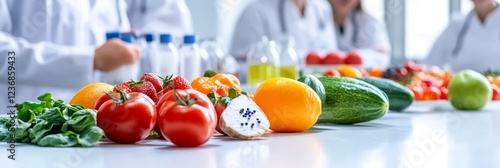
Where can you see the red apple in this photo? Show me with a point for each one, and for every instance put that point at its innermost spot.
(353, 58)
(313, 58)
(333, 57)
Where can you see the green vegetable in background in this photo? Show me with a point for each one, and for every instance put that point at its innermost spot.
(52, 123)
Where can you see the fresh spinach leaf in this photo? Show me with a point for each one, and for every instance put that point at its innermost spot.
(53, 115)
(91, 136)
(59, 140)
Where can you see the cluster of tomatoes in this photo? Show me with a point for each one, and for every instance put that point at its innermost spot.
(184, 116)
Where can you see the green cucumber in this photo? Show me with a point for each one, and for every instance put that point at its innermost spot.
(315, 84)
(350, 101)
(400, 97)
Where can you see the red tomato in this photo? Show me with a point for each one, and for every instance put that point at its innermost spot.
(354, 58)
(219, 109)
(418, 92)
(432, 93)
(105, 98)
(129, 119)
(331, 72)
(444, 93)
(496, 92)
(333, 58)
(187, 117)
(313, 58)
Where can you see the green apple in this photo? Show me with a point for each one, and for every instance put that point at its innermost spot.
(469, 90)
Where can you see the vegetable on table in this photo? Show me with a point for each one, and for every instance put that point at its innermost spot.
(212, 81)
(187, 118)
(128, 118)
(52, 123)
(400, 97)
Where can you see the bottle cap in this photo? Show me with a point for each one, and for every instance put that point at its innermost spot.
(111, 35)
(189, 39)
(165, 38)
(149, 37)
(129, 38)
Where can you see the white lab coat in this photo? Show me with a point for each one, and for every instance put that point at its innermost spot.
(54, 40)
(371, 41)
(261, 18)
(480, 48)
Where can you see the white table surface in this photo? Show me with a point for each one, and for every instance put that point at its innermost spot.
(412, 139)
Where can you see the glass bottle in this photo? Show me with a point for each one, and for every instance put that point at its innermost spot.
(263, 62)
(289, 66)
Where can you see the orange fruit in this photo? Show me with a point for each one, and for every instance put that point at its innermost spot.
(88, 95)
(350, 71)
(289, 105)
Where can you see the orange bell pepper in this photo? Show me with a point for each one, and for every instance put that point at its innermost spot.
(220, 83)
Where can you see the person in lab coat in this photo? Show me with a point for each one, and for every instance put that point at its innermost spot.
(471, 41)
(359, 31)
(59, 45)
(308, 22)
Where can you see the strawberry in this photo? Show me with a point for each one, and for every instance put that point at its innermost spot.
(146, 88)
(178, 82)
(150, 77)
(123, 87)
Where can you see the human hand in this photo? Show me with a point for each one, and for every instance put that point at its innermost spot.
(114, 54)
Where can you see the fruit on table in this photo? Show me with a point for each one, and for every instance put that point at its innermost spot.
(444, 93)
(431, 93)
(187, 118)
(243, 119)
(469, 90)
(331, 72)
(88, 95)
(350, 71)
(353, 58)
(333, 58)
(313, 82)
(124, 86)
(495, 92)
(128, 118)
(313, 58)
(399, 96)
(413, 67)
(154, 80)
(211, 81)
(105, 98)
(290, 105)
(178, 82)
(146, 88)
(350, 101)
(418, 92)
(376, 72)
(220, 103)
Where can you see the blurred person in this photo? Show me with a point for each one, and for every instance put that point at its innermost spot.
(471, 41)
(60, 45)
(359, 31)
(308, 22)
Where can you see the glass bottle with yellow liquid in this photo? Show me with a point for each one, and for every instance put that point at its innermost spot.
(289, 66)
(263, 62)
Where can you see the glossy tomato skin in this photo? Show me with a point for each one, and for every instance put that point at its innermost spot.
(129, 122)
(219, 109)
(496, 92)
(105, 98)
(187, 126)
(331, 72)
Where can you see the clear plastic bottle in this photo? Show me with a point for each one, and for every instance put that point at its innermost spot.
(263, 62)
(148, 51)
(190, 58)
(126, 72)
(289, 65)
(167, 57)
(215, 54)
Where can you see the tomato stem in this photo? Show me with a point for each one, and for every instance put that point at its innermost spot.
(123, 97)
(186, 101)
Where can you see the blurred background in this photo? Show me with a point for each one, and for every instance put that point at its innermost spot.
(412, 32)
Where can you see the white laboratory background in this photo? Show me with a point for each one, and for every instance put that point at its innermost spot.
(424, 20)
